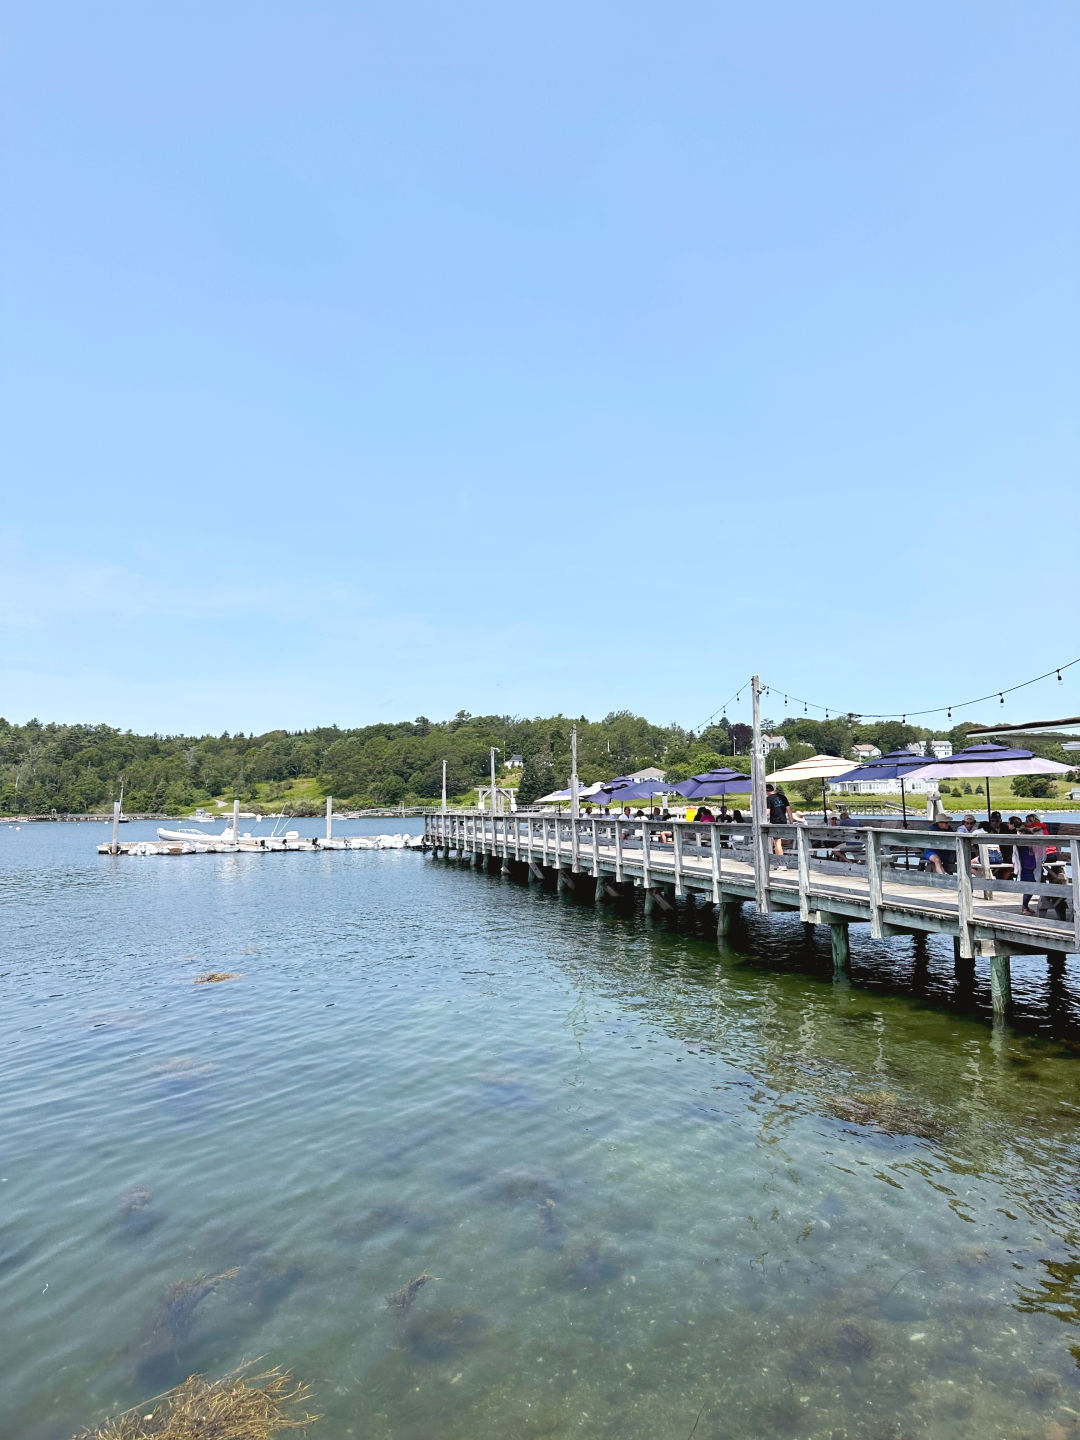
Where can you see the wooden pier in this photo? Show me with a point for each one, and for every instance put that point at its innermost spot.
(881, 885)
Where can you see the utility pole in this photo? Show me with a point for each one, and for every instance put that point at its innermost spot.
(757, 802)
(575, 807)
(444, 787)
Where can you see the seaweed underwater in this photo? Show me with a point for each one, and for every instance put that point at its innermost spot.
(171, 1321)
(401, 1301)
(136, 1215)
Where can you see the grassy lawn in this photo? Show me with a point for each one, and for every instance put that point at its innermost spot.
(1001, 798)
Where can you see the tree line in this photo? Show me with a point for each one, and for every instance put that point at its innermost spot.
(73, 769)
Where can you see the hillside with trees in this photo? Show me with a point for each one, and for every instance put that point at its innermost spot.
(73, 769)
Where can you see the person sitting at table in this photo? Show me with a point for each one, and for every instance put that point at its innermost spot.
(738, 818)
(846, 850)
(941, 862)
(1056, 906)
(970, 826)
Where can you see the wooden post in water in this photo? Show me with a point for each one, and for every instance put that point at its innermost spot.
(1000, 983)
(116, 827)
(841, 949)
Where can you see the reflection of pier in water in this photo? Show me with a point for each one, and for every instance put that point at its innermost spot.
(880, 884)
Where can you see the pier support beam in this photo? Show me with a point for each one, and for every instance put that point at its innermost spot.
(566, 881)
(1000, 983)
(655, 897)
(536, 873)
(727, 913)
(841, 948)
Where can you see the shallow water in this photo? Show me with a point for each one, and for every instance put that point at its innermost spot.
(646, 1181)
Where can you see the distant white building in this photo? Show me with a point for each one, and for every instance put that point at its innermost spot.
(865, 752)
(884, 787)
(515, 762)
(942, 749)
(769, 743)
(650, 774)
(917, 747)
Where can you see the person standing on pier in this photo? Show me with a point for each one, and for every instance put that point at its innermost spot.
(779, 812)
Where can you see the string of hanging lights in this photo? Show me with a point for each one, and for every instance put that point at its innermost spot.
(947, 709)
(835, 710)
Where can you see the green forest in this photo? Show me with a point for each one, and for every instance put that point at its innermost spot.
(75, 769)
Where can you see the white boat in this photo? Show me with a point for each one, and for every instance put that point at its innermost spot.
(202, 817)
(194, 837)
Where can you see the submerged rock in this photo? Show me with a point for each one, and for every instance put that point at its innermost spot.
(590, 1266)
(886, 1111)
(442, 1334)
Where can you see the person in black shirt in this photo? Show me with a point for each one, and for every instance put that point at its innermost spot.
(777, 812)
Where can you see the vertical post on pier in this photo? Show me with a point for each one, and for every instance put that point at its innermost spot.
(873, 872)
(965, 899)
(236, 822)
(715, 860)
(618, 848)
(493, 806)
(1000, 983)
(677, 840)
(645, 878)
(116, 827)
(444, 787)
(841, 949)
(802, 858)
(1074, 865)
(757, 802)
(330, 817)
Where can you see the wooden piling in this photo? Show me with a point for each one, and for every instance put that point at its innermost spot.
(1000, 983)
(841, 949)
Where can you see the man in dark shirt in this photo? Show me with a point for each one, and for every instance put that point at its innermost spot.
(777, 812)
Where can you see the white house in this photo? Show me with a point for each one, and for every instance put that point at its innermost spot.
(515, 762)
(942, 749)
(769, 743)
(650, 774)
(865, 752)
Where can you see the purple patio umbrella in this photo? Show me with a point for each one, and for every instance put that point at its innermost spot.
(982, 761)
(721, 781)
(894, 766)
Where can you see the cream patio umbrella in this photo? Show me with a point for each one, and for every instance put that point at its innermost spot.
(815, 767)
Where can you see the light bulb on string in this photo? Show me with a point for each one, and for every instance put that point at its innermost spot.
(1002, 699)
(1059, 677)
(948, 714)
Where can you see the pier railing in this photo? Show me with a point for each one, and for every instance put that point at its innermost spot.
(882, 874)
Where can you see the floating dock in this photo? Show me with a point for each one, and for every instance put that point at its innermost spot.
(232, 842)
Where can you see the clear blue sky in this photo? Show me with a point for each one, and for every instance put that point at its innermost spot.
(364, 361)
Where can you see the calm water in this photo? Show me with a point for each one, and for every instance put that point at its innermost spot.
(638, 1172)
